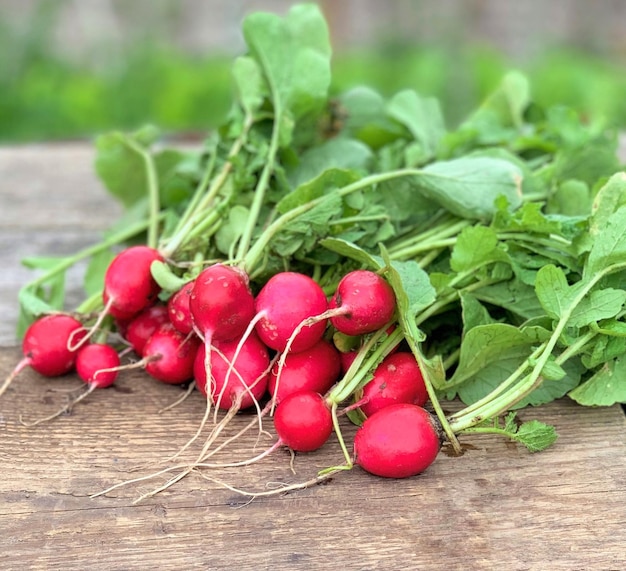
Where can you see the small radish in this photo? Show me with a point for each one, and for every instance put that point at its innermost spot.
(284, 302)
(139, 329)
(168, 355)
(398, 441)
(178, 309)
(315, 369)
(398, 379)
(303, 421)
(128, 283)
(241, 382)
(363, 302)
(45, 347)
(98, 365)
(221, 303)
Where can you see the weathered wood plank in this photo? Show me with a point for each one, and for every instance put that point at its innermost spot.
(496, 506)
(51, 203)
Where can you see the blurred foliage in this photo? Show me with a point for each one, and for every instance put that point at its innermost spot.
(44, 96)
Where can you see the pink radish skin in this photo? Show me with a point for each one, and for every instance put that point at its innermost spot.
(284, 302)
(128, 284)
(347, 359)
(366, 301)
(398, 441)
(398, 379)
(303, 421)
(91, 361)
(250, 367)
(141, 327)
(221, 303)
(178, 309)
(45, 344)
(45, 347)
(170, 355)
(315, 369)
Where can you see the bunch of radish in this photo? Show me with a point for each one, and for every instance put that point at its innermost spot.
(272, 350)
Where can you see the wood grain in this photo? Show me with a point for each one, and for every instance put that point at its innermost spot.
(496, 506)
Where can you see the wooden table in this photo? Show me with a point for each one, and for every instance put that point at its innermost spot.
(495, 507)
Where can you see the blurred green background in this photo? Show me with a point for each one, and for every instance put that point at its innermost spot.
(70, 68)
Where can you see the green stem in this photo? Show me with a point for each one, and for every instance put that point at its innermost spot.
(342, 442)
(261, 187)
(107, 243)
(154, 200)
(497, 406)
(180, 237)
(255, 253)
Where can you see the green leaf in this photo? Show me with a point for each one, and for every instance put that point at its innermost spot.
(422, 116)
(469, 187)
(605, 388)
(513, 296)
(93, 281)
(324, 184)
(609, 246)
(293, 54)
(120, 167)
(474, 313)
(349, 250)
(507, 104)
(535, 435)
(339, 153)
(249, 82)
(553, 291)
(231, 229)
(476, 246)
(41, 262)
(486, 345)
(610, 197)
(411, 285)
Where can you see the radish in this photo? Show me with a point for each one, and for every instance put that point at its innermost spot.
(168, 355)
(315, 369)
(398, 441)
(240, 382)
(45, 347)
(221, 303)
(128, 283)
(303, 421)
(98, 365)
(363, 302)
(284, 302)
(398, 379)
(178, 309)
(139, 329)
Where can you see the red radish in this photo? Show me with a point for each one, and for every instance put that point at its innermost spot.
(303, 421)
(139, 329)
(128, 284)
(315, 369)
(365, 303)
(398, 441)
(347, 359)
(398, 379)
(178, 309)
(98, 365)
(221, 303)
(241, 382)
(45, 347)
(169, 355)
(284, 302)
